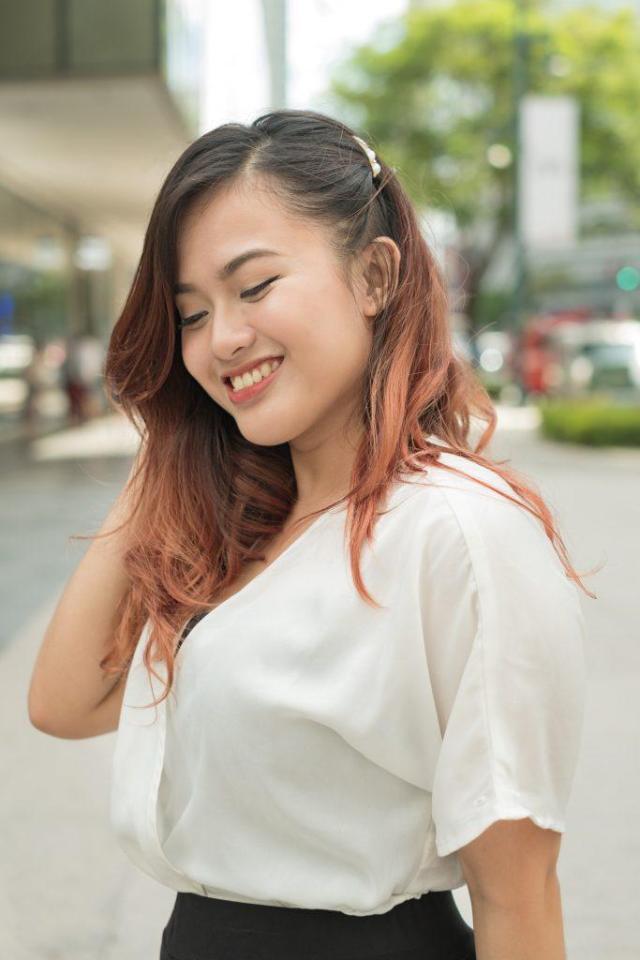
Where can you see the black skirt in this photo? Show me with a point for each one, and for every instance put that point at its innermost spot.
(205, 928)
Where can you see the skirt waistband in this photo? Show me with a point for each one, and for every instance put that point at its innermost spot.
(218, 929)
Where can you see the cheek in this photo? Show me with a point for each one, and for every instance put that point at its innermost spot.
(194, 358)
(188, 355)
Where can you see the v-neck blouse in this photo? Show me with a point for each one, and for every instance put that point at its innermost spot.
(316, 751)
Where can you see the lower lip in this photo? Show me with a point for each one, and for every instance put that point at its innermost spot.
(248, 393)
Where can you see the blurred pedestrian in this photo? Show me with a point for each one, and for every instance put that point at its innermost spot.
(33, 378)
(73, 380)
(91, 361)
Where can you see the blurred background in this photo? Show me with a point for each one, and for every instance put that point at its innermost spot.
(513, 124)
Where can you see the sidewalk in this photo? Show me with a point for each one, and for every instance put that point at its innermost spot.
(107, 435)
(68, 889)
(15, 438)
(111, 434)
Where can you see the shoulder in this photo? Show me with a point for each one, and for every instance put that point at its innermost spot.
(446, 491)
(460, 474)
(471, 514)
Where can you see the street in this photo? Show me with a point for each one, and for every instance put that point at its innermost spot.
(69, 893)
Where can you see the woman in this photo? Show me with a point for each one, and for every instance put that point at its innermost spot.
(376, 691)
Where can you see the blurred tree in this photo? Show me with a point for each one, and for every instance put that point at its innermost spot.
(434, 91)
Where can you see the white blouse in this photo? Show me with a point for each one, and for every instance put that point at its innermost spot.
(318, 752)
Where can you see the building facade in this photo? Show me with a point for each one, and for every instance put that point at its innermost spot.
(96, 102)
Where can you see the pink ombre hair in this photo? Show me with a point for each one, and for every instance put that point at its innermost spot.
(206, 499)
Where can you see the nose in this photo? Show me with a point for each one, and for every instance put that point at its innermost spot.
(228, 336)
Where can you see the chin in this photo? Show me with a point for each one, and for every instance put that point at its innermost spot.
(269, 435)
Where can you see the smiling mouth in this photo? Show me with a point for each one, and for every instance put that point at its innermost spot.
(229, 380)
(253, 389)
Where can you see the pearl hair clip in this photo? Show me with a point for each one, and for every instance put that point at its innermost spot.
(375, 166)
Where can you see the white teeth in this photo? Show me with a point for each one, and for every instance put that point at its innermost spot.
(256, 375)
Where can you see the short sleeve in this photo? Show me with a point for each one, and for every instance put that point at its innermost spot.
(504, 637)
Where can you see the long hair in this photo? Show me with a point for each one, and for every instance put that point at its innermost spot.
(204, 501)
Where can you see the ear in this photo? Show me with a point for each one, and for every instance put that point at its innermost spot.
(380, 267)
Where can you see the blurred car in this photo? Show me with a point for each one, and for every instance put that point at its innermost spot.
(542, 345)
(600, 355)
(30, 377)
(16, 357)
(608, 359)
(16, 353)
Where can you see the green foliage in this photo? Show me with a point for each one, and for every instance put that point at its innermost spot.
(491, 308)
(434, 90)
(596, 422)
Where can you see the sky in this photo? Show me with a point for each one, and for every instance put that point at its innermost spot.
(320, 34)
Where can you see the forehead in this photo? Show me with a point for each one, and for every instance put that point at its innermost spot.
(248, 215)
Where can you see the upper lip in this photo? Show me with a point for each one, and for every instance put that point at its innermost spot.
(238, 371)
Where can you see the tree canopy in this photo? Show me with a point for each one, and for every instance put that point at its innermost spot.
(434, 89)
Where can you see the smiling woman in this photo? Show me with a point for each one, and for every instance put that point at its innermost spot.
(368, 610)
(305, 318)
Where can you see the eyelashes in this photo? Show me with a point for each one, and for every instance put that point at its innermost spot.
(188, 321)
(258, 289)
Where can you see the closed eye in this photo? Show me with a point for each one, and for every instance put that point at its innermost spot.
(188, 321)
(261, 286)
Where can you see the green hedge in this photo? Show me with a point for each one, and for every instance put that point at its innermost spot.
(593, 421)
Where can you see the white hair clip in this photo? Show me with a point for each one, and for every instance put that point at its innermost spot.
(375, 166)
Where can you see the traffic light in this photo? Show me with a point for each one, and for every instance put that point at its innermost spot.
(628, 279)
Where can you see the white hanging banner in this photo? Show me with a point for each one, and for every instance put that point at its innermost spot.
(548, 174)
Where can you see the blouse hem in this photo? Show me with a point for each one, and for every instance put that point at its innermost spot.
(388, 904)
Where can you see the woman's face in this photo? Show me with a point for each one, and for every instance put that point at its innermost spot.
(303, 311)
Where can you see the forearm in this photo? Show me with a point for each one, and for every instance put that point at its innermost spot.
(522, 929)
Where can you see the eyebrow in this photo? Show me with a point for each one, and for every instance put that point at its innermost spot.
(229, 267)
